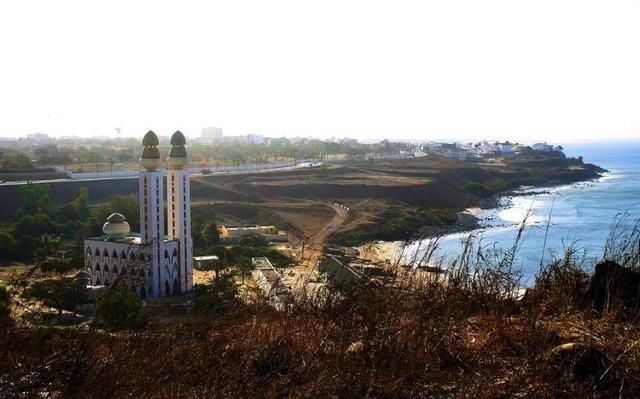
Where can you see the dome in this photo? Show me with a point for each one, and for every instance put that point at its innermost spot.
(178, 153)
(150, 139)
(116, 218)
(178, 139)
(116, 226)
(150, 158)
(150, 153)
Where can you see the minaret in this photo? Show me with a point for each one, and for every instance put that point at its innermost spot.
(151, 209)
(179, 209)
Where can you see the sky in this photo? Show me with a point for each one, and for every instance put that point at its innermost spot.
(519, 70)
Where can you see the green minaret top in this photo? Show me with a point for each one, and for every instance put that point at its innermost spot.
(150, 158)
(178, 153)
(178, 139)
(150, 139)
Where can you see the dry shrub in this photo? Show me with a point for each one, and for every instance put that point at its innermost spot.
(458, 334)
(560, 286)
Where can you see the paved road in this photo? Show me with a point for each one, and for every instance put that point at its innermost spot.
(302, 165)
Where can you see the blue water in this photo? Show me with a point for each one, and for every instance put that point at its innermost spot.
(582, 214)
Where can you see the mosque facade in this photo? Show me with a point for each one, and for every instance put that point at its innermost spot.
(158, 261)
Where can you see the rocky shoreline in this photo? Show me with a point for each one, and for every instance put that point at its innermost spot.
(469, 221)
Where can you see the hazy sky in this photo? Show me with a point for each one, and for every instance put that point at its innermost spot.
(524, 70)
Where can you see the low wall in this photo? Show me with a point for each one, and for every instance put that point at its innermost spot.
(27, 176)
(197, 170)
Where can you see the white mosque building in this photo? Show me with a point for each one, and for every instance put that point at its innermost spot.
(152, 263)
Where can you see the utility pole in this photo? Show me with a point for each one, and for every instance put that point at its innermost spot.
(118, 137)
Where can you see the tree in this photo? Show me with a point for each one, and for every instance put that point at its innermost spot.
(61, 294)
(119, 309)
(35, 199)
(210, 234)
(5, 305)
(245, 265)
(33, 225)
(81, 204)
(8, 245)
(11, 159)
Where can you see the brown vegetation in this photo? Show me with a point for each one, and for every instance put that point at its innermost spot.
(459, 334)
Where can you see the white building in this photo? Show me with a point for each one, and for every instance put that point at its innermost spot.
(151, 262)
(269, 281)
(212, 133)
(505, 149)
(38, 138)
(543, 147)
(255, 139)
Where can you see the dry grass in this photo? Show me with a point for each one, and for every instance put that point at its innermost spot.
(461, 334)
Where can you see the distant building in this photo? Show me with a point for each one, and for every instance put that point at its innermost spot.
(269, 281)
(348, 141)
(239, 139)
(269, 233)
(505, 149)
(255, 139)
(338, 270)
(39, 138)
(212, 133)
(543, 147)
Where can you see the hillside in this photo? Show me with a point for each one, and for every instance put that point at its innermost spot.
(395, 197)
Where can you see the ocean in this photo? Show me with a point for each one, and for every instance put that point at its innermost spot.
(581, 215)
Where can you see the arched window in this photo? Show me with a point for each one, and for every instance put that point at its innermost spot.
(98, 281)
(97, 267)
(175, 252)
(166, 254)
(132, 258)
(96, 252)
(89, 267)
(106, 268)
(115, 269)
(88, 251)
(105, 253)
(123, 255)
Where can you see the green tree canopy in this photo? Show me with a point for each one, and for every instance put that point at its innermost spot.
(60, 294)
(35, 198)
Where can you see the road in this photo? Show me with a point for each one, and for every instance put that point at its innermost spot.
(301, 165)
(314, 247)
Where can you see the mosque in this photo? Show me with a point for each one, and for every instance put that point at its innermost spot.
(152, 263)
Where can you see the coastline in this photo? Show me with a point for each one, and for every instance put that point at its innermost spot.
(430, 197)
(477, 218)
